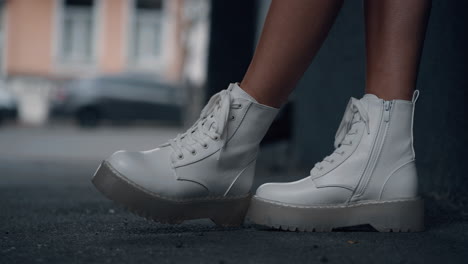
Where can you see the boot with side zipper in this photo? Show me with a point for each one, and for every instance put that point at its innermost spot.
(369, 179)
(206, 172)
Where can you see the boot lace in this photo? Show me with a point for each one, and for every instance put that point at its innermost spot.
(355, 113)
(212, 124)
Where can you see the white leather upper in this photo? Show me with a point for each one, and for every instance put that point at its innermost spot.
(215, 157)
(373, 159)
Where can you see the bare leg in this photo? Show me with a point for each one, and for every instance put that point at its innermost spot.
(395, 32)
(293, 33)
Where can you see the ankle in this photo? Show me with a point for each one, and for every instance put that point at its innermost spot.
(391, 92)
(269, 99)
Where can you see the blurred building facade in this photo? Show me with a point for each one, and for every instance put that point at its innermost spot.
(70, 37)
(53, 40)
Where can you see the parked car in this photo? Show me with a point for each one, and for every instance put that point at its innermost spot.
(8, 105)
(119, 97)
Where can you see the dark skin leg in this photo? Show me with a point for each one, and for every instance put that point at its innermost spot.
(395, 32)
(293, 32)
(295, 29)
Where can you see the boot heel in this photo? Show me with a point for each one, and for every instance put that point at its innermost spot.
(404, 216)
(230, 213)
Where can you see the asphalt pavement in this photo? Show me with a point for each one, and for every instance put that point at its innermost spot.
(51, 213)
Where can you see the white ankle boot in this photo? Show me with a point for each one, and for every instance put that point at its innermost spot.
(206, 172)
(370, 178)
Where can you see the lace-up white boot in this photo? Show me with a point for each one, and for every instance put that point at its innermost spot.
(370, 178)
(206, 172)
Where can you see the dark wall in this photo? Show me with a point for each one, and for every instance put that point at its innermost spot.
(233, 25)
(441, 115)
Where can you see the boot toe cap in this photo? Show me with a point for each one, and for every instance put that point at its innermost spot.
(124, 161)
(285, 193)
(268, 191)
(152, 171)
(302, 193)
(139, 169)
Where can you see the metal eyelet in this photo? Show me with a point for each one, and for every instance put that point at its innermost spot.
(233, 118)
(216, 138)
(205, 146)
(180, 157)
(194, 152)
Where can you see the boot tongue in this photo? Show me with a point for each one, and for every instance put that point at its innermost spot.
(237, 92)
(369, 97)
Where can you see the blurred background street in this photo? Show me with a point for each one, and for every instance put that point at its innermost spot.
(81, 79)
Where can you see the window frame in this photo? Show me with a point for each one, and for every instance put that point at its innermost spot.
(156, 63)
(64, 65)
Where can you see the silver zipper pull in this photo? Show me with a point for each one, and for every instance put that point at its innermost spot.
(387, 108)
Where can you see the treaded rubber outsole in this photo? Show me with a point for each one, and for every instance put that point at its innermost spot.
(221, 210)
(384, 216)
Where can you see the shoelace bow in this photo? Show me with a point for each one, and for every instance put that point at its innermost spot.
(212, 123)
(355, 113)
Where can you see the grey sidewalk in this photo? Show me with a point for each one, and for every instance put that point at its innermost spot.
(50, 213)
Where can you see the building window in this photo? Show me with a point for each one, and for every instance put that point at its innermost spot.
(77, 32)
(146, 46)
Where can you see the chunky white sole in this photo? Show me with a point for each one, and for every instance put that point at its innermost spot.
(224, 211)
(384, 216)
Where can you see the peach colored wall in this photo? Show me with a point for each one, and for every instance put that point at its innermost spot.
(112, 47)
(176, 51)
(30, 34)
